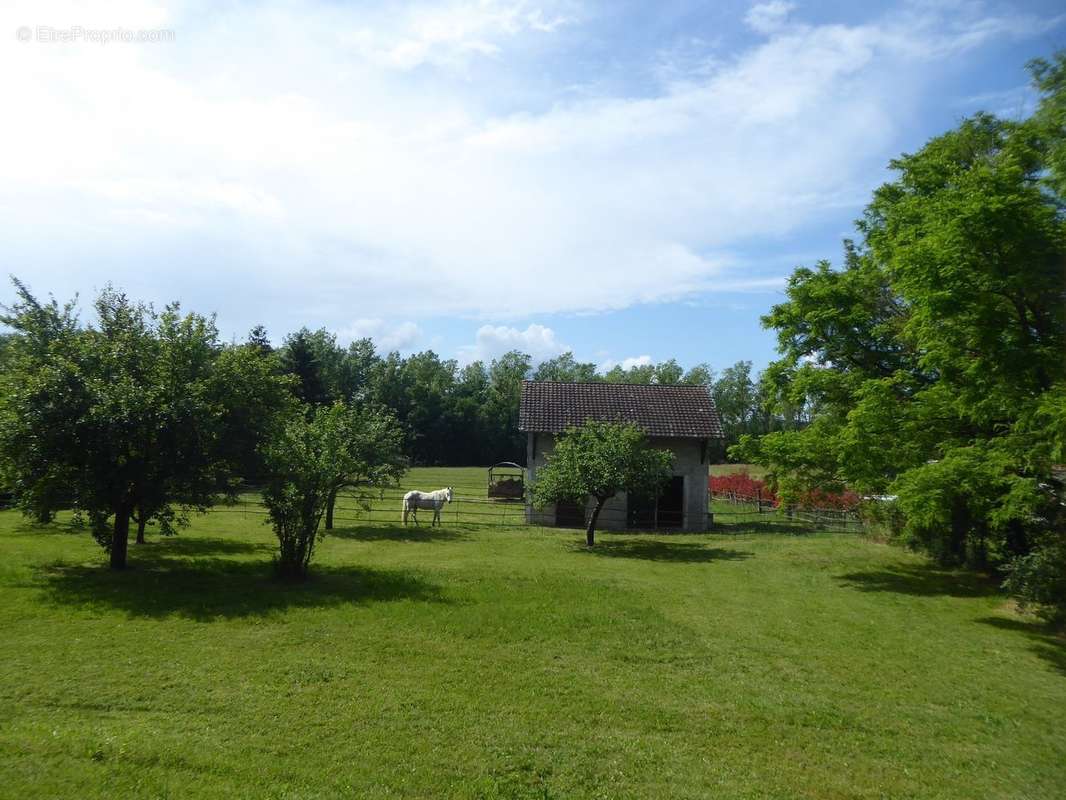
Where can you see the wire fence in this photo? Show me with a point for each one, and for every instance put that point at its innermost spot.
(471, 506)
(767, 511)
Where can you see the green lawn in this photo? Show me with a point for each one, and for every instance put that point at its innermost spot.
(477, 661)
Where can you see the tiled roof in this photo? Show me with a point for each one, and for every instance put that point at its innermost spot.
(678, 411)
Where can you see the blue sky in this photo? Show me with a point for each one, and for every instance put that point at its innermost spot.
(626, 180)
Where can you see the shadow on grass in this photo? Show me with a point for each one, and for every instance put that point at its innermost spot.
(27, 527)
(653, 550)
(924, 580)
(395, 533)
(210, 589)
(159, 548)
(1047, 643)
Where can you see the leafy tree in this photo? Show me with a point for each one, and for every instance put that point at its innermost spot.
(317, 363)
(599, 460)
(42, 332)
(668, 372)
(357, 370)
(638, 373)
(258, 338)
(315, 454)
(375, 444)
(734, 395)
(565, 369)
(506, 374)
(931, 363)
(699, 375)
(248, 382)
(122, 419)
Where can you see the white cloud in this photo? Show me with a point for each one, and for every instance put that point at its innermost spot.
(769, 17)
(449, 34)
(625, 363)
(387, 336)
(493, 341)
(384, 169)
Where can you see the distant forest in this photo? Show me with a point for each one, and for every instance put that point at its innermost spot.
(465, 416)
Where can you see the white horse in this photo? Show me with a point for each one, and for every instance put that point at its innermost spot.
(414, 500)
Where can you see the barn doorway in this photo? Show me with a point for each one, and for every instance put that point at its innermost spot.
(665, 511)
(671, 511)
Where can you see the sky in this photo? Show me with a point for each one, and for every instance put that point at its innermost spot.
(629, 181)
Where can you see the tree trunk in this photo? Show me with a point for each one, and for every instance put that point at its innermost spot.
(121, 538)
(142, 520)
(960, 527)
(329, 509)
(590, 531)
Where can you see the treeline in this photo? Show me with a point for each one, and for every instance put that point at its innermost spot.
(456, 415)
(140, 417)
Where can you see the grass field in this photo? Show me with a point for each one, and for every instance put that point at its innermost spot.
(480, 661)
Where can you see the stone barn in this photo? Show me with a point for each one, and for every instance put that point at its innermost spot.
(681, 419)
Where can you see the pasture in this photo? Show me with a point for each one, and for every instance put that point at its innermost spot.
(503, 661)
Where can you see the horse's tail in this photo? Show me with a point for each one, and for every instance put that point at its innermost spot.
(403, 505)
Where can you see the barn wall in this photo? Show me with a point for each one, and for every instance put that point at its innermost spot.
(687, 463)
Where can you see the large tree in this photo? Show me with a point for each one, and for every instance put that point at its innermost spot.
(599, 460)
(120, 419)
(932, 361)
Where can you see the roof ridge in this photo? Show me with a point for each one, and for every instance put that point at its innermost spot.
(620, 383)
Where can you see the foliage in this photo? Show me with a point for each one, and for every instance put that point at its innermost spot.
(743, 487)
(124, 418)
(469, 415)
(314, 454)
(598, 460)
(931, 362)
(740, 485)
(1039, 578)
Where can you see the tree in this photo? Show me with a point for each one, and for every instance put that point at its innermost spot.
(931, 363)
(699, 375)
(506, 374)
(565, 369)
(248, 382)
(374, 441)
(316, 453)
(259, 339)
(668, 372)
(734, 396)
(42, 331)
(315, 360)
(599, 460)
(122, 419)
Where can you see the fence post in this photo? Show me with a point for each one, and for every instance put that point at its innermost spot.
(758, 499)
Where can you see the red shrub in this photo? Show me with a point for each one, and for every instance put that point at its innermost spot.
(741, 486)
